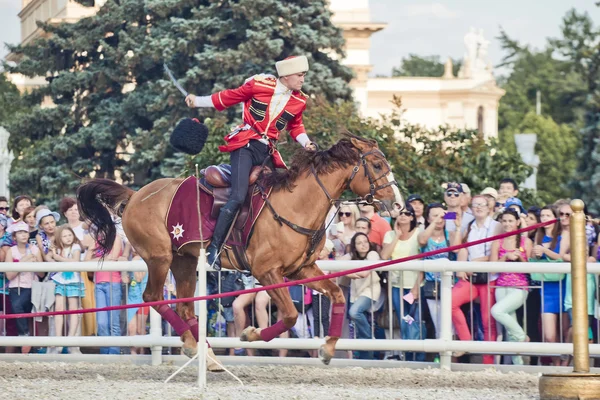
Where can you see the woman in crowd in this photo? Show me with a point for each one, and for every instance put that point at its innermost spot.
(511, 287)
(46, 221)
(365, 289)
(19, 284)
(345, 227)
(434, 237)
(549, 245)
(69, 286)
(533, 218)
(108, 292)
(472, 286)
(402, 242)
(68, 208)
(20, 204)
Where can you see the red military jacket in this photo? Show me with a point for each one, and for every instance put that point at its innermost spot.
(256, 94)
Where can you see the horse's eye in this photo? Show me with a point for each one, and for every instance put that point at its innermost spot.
(377, 166)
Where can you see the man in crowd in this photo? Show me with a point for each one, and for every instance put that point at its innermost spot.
(508, 188)
(465, 200)
(453, 196)
(379, 226)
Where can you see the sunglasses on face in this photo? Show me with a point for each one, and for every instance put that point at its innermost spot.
(4, 208)
(499, 204)
(344, 214)
(405, 213)
(562, 214)
(479, 205)
(452, 194)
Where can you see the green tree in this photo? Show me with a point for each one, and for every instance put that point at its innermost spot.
(557, 147)
(114, 106)
(561, 88)
(415, 65)
(580, 43)
(10, 100)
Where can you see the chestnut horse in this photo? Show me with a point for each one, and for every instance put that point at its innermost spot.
(302, 195)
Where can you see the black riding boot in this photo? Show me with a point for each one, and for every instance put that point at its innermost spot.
(226, 217)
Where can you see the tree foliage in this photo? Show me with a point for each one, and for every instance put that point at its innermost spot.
(115, 107)
(557, 147)
(429, 66)
(566, 73)
(10, 100)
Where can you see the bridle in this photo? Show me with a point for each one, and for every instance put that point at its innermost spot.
(316, 235)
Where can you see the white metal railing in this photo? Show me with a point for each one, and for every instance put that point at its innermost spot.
(444, 345)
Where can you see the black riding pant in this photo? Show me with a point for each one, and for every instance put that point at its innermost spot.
(242, 161)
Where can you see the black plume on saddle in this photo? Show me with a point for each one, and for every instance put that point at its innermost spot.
(189, 136)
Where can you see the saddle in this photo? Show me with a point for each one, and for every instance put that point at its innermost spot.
(217, 180)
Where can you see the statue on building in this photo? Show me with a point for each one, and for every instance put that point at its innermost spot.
(475, 64)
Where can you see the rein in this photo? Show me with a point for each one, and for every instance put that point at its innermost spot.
(316, 235)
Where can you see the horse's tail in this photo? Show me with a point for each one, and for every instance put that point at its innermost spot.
(98, 200)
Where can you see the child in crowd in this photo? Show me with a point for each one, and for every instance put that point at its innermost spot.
(20, 282)
(137, 317)
(69, 285)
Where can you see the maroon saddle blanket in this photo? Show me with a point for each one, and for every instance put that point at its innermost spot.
(185, 227)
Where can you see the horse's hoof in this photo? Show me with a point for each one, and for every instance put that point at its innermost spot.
(190, 352)
(324, 355)
(246, 333)
(211, 362)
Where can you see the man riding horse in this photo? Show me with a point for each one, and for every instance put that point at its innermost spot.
(270, 105)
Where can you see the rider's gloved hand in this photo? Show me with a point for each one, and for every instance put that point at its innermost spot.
(311, 146)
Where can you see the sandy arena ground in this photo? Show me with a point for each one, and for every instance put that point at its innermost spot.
(82, 381)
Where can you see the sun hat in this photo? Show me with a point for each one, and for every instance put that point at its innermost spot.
(17, 227)
(490, 191)
(44, 213)
(513, 201)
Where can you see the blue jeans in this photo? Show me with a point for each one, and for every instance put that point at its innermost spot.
(410, 356)
(108, 294)
(358, 314)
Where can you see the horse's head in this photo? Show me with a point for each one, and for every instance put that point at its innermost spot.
(372, 177)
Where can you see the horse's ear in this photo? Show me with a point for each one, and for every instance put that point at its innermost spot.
(360, 143)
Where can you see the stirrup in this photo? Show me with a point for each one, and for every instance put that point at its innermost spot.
(216, 264)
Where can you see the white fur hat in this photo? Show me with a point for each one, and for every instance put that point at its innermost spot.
(292, 65)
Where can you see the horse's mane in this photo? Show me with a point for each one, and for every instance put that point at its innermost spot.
(340, 155)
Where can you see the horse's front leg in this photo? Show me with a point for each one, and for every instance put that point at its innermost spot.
(283, 301)
(338, 308)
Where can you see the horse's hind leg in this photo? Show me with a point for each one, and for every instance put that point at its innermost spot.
(338, 308)
(184, 270)
(158, 268)
(281, 298)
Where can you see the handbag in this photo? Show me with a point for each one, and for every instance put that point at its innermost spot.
(430, 290)
(232, 282)
(479, 278)
(546, 277)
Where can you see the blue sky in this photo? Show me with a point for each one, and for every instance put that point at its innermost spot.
(425, 27)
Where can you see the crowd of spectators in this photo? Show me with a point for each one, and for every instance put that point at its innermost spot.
(492, 307)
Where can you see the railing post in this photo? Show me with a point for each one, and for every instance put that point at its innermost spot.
(156, 335)
(446, 318)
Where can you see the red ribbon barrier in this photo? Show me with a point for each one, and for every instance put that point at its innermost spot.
(283, 284)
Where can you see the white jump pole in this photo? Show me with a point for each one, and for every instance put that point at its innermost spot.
(202, 317)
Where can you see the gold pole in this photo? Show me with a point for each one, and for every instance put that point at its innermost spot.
(579, 384)
(581, 350)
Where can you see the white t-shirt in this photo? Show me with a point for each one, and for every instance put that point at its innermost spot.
(65, 278)
(489, 229)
